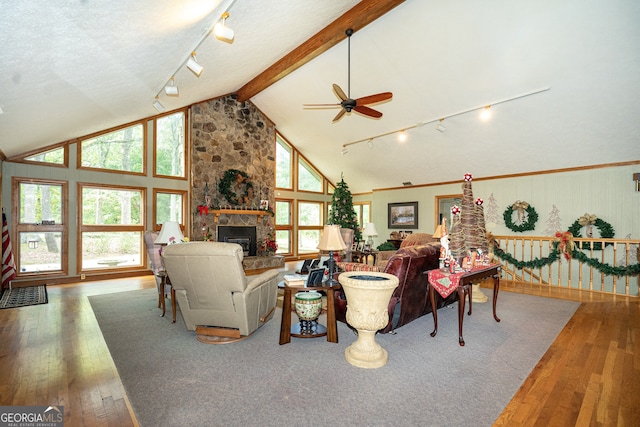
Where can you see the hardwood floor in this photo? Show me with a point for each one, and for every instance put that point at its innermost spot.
(54, 354)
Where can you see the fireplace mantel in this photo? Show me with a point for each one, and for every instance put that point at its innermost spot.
(217, 212)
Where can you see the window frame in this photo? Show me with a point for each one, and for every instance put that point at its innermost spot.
(110, 228)
(281, 140)
(185, 212)
(142, 123)
(185, 163)
(286, 227)
(61, 228)
(299, 227)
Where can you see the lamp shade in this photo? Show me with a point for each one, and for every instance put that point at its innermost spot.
(170, 233)
(331, 239)
(370, 229)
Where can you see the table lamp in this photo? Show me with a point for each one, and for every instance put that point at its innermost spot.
(370, 230)
(331, 240)
(170, 233)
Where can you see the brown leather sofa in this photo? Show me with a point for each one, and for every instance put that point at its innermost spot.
(410, 299)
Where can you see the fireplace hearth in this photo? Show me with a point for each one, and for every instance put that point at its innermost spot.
(245, 236)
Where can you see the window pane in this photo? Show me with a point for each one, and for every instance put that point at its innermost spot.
(308, 241)
(308, 178)
(283, 163)
(120, 150)
(283, 239)
(168, 207)
(111, 207)
(170, 145)
(366, 214)
(283, 213)
(309, 213)
(40, 252)
(40, 202)
(111, 249)
(52, 156)
(331, 189)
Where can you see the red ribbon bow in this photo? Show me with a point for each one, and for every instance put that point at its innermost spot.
(203, 210)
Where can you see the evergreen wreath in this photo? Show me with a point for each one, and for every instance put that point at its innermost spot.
(529, 224)
(605, 229)
(231, 176)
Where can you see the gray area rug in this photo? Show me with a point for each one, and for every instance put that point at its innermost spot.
(24, 296)
(172, 379)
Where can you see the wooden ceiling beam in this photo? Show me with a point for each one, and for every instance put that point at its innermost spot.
(355, 18)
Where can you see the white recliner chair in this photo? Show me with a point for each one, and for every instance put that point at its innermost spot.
(216, 298)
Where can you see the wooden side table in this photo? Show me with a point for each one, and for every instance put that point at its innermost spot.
(162, 298)
(287, 331)
(464, 281)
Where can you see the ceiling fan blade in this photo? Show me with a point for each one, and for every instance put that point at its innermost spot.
(368, 111)
(339, 115)
(339, 92)
(372, 99)
(320, 105)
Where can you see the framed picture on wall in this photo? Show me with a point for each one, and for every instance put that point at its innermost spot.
(403, 215)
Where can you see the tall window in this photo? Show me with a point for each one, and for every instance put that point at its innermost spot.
(309, 226)
(308, 178)
(283, 163)
(170, 145)
(111, 226)
(170, 205)
(40, 211)
(284, 227)
(121, 150)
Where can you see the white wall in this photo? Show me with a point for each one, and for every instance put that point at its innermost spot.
(607, 192)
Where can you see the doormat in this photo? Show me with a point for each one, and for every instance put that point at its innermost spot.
(21, 297)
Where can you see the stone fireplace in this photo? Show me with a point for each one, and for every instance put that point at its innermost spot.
(230, 135)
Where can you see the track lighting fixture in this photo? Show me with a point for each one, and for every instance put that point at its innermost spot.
(344, 152)
(158, 106)
(221, 31)
(485, 114)
(370, 143)
(193, 66)
(485, 110)
(171, 89)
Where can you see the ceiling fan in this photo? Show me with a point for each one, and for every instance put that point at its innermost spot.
(347, 104)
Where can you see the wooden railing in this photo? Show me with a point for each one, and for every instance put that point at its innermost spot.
(573, 273)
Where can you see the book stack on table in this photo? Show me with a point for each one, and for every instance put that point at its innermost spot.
(295, 279)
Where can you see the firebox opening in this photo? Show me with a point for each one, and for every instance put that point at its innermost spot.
(244, 236)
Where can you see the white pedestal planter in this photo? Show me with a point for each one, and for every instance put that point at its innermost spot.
(368, 295)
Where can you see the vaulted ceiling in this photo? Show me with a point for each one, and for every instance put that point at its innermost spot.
(70, 68)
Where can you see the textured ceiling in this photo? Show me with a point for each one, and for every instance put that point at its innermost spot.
(72, 68)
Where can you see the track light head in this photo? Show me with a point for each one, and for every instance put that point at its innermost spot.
(193, 66)
(344, 151)
(221, 31)
(158, 106)
(171, 89)
(370, 143)
(440, 127)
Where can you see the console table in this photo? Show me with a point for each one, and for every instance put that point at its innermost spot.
(446, 283)
(287, 331)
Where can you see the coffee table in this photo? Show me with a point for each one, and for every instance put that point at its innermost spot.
(287, 330)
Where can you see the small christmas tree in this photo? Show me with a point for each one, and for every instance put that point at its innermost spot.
(342, 212)
(493, 216)
(554, 223)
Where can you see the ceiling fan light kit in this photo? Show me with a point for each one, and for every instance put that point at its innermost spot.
(348, 104)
